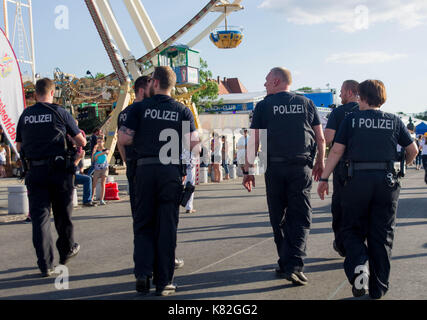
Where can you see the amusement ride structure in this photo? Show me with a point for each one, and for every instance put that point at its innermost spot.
(116, 89)
(184, 60)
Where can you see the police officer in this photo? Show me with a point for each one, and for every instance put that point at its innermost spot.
(349, 97)
(293, 128)
(368, 139)
(127, 153)
(155, 127)
(42, 141)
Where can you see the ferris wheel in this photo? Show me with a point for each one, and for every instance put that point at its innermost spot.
(118, 49)
(184, 60)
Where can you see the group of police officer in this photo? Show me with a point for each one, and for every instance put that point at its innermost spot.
(366, 181)
(366, 184)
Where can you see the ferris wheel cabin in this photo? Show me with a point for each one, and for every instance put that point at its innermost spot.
(184, 61)
(228, 38)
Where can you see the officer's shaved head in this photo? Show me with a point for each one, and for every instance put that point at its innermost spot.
(373, 92)
(352, 85)
(44, 86)
(283, 74)
(166, 77)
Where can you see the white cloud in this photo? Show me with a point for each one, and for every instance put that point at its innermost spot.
(351, 15)
(364, 57)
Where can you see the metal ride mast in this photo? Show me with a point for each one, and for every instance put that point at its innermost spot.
(24, 56)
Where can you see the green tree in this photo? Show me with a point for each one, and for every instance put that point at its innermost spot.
(422, 116)
(99, 75)
(209, 93)
(305, 89)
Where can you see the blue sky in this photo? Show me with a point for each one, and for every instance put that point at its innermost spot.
(320, 41)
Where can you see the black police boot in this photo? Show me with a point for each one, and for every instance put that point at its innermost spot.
(179, 263)
(71, 254)
(143, 285)
(297, 277)
(280, 273)
(166, 290)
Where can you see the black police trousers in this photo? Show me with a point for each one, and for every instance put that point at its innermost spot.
(131, 176)
(48, 189)
(288, 197)
(425, 167)
(369, 214)
(336, 208)
(155, 223)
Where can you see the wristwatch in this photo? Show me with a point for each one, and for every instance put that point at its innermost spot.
(324, 180)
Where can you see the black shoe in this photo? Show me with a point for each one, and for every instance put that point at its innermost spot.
(143, 285)
(337, 249)
(73, 252)
(280, 273)
(90, 204)
(47, 273)
(357, 293)
(179, 263)
(296, 277)
(28, 220)
(166, 290)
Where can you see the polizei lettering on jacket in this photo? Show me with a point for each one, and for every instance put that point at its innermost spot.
(123, 117)
(385, 124)
(162, 115)
(289, 109)
(41, 118)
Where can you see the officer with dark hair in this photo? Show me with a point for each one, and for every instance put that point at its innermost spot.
(293, 129)
(156, 127)
(349, 98)
(127, 153)
(42, 141)
(368, 139)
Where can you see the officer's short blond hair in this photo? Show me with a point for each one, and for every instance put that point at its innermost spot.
(283, 74)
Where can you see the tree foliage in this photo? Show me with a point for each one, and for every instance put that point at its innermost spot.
(305, 89)
(422, 115)
(209, 93)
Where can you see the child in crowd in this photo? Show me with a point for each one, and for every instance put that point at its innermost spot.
(99, 158)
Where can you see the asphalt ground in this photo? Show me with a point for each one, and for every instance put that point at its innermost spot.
(227, 246)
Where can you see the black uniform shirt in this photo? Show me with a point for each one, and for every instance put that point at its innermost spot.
(42, 133)
(338, 115)
(289, 120)
(372, 136)
(153, 117)
(130, 153)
